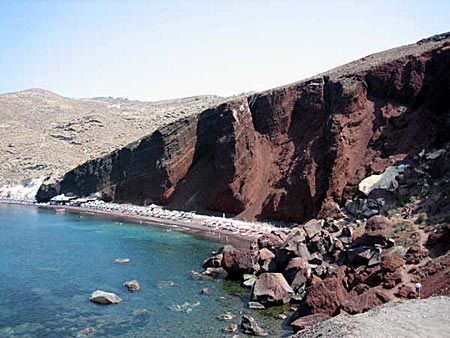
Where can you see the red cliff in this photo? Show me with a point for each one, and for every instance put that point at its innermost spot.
(290, 153)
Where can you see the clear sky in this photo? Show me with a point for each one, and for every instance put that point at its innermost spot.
(151, 50)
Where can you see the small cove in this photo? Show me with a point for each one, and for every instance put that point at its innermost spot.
(52, 262)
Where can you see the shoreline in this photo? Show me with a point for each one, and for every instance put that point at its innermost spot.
(194, 227)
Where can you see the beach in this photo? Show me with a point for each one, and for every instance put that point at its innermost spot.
(225, 230)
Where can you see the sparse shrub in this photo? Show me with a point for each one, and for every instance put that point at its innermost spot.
(399, 250)
(400, 226)
(405, 200)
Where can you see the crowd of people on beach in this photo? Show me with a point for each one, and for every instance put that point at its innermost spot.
(136, 210)
(215, 225)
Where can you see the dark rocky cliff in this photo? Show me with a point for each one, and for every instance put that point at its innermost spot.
(290, 153)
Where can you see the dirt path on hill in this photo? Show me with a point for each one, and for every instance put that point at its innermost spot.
(408, 318)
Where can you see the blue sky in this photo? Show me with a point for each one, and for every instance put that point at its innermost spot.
(152, 50)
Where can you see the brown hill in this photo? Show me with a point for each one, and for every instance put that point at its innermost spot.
(42, 133)
(289, 153)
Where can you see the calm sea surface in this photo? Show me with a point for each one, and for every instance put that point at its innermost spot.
(51, 263)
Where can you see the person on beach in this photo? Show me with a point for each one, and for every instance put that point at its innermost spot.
(418, 289)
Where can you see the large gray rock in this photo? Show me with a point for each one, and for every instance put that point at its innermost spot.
(265, 260)
(387, 180)
(249, 326)
(102, 297)
(294, 246)
(313, 227)
(271, 289)
(295, 265)
(132, 285)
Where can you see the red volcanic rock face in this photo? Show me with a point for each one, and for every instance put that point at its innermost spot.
(289, 153)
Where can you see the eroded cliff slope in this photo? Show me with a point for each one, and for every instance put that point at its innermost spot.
(290, 153)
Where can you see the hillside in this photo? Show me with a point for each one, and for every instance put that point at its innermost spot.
(42, 133)
(290, 153)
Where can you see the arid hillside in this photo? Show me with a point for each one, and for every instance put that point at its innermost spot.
(42, 133)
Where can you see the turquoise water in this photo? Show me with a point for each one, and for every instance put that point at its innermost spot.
(51, 263)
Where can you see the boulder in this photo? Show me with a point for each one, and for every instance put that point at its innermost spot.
(214, 261)
(249, 280)
(352, 208)
(272, 241)
(226, 316)
(231, 328)
(377, 231)
(294, 246)
(322, 270)
(219, 273)
(249, 326)
(132, 285)
(102, 297)
(265, 254)
(387, 180)
(306, 321)
(315, 258)
(330, 209)
(391, 262)
(255, 306)
(240, 262)
(271, 289)
(324, 295)
(122, 260)
(295, 265)
(415, 254)
(363, 255)
(298, 283)
(358, 303)
(313, 228)
(266, 260)
(321, 243)
(406, 291)
(391, 279)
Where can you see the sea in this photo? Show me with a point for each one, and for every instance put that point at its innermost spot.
(51, 262)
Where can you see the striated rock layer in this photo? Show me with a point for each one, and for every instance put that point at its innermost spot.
(290, 153)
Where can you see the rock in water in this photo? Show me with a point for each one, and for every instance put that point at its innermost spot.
(132, 285)
(271, 289)
(249, 326)
(122, 260)
(102, 297)
(230, 328)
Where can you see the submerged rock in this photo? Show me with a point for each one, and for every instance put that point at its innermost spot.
(231, 328)
(226, 316)
(249, 326)
(102, 297)
(256, 306)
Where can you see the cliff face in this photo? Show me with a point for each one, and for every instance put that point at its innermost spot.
(289, 153)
